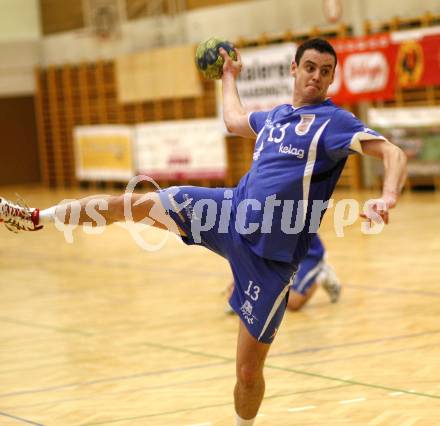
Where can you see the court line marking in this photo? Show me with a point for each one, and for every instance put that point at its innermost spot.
(29, 422)
(203, 407)
(353, 382)
(375, 354)
(302, 392)
(301, 372)
(118, 392)
(110, 379)
(177, 384)
(358, 343)
(8, 371)
(46, 327)
(224, 359)
(183, 410)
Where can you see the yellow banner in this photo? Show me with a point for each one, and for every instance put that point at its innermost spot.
(104, 152)
(107, 152)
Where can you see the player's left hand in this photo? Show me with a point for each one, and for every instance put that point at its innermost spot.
(377, 209)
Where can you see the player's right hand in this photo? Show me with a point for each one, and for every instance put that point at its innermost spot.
(231, 67)
(377, 209)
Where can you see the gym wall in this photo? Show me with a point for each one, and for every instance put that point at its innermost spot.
(55, 32)
(20, 52)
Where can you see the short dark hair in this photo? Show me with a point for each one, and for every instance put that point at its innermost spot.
(318, 44)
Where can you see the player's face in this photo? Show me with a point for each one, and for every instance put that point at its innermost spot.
(313, 76)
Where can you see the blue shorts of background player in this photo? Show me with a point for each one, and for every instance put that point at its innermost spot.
(313, 272)
(261, 285)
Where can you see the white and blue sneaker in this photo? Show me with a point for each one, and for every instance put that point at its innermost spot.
(330, 283)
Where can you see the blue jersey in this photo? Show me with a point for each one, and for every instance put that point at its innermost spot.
(299, 155)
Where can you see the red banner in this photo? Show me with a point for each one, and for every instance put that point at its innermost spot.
(418, 61)
(365, 69)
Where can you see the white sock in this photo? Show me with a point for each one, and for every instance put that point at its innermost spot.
(47, 215)
(242, 422)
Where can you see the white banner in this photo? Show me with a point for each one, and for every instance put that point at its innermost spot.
(181, 149)
(265, 80)
(404, 116)
(103, 152)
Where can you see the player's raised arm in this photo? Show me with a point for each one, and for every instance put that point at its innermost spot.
(234, 115)
(394, 161)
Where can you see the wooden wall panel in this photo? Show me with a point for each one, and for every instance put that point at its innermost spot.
(196, 4)
(136, 9)
(161, 73)
(19, 149)
(61, 15)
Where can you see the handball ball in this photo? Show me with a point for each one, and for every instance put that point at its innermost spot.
(208, 58)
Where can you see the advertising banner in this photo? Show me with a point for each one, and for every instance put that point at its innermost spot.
(365, 69)
(266, 80)
(181, 149)
(103, 153)
(418, 57)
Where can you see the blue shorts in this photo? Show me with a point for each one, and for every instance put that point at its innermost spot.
(310, 267)
(261, 285)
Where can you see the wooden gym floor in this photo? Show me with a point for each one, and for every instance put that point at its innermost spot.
(100, 332)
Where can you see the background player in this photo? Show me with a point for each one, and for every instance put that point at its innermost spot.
(313, 271)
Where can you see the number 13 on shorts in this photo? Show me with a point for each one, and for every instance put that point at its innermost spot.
(253, 291)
